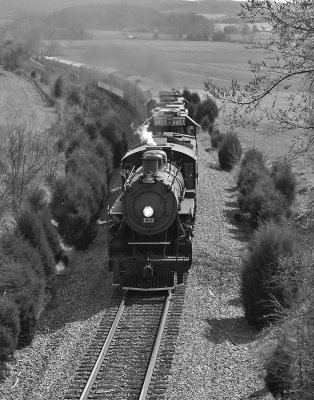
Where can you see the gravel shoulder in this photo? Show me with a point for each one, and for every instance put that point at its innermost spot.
(216, 349)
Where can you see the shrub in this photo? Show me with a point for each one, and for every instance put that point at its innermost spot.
(206, 107)
(73, 95)
(9, 328)
(263, 202)
(58, 87)
(71, 207)
(229, 152)
(21, 251)
(251, 170)
(261, 292)
(278, 376)
(88, 167)
(30, 228)
(39, 198)
(27, 317)
(195, 98)
(284, 179)
(91, 130)
(187, 95)
(218, 36)
(88, 235)
(104, 153)
(205, 123)
(216, 137)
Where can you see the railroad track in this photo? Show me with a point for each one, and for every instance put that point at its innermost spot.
(121, 362)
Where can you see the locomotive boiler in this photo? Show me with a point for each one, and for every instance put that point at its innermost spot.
(151, 222)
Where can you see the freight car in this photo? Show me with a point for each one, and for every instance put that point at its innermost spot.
(151, 222)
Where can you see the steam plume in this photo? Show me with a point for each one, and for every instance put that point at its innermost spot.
(145, 135)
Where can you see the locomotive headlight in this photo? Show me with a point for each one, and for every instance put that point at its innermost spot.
(148, 211)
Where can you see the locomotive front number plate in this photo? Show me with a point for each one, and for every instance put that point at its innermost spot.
(148, 220)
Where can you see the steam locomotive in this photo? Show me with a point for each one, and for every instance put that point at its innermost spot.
(151, 222)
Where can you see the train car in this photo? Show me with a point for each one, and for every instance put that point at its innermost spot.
(135, 90)
(151, 222)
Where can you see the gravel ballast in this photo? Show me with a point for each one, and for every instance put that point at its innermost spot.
(216, 355)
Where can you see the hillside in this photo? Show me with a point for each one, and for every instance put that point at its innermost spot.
(15, 8)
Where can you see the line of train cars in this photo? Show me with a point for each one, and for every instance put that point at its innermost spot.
(151, 222)
(137, 91)
(150, 225)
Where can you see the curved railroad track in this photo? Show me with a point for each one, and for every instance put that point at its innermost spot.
(130, 357)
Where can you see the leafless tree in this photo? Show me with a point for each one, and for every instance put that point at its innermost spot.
(287, 65)
(26, 156)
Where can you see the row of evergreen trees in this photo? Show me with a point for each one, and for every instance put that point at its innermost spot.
(90, 139)
(277, 277)
(277, 272)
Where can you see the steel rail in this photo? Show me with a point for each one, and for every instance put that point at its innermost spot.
(103, 351)
(153, 357)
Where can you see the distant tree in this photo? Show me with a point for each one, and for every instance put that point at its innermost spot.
(219, 36)
(230, 29)
(245, 30)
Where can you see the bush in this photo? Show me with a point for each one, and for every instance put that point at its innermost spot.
(104, 153)
(88, 167)
(73, 95)
(195, 98)
(91, 130)
(9, 328)
(71, 207)
(58, 87)
(206, 107)
(251, 170)
(218, 36)
(205, 123)
(21, 251)
(30, 228)
(278, 376)
(216, 137)
(263, 202)
(27, 317)
(39, 200)
(284, 179)
(261, 291)
(187, 95)
(229, 152)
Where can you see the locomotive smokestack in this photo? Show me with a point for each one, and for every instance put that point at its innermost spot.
(152, 162)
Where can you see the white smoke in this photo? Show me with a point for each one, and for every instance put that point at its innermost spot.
(145, 135)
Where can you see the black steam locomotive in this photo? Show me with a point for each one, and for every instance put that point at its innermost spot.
(151, 222)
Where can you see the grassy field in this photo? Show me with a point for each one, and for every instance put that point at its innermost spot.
(177, 64)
